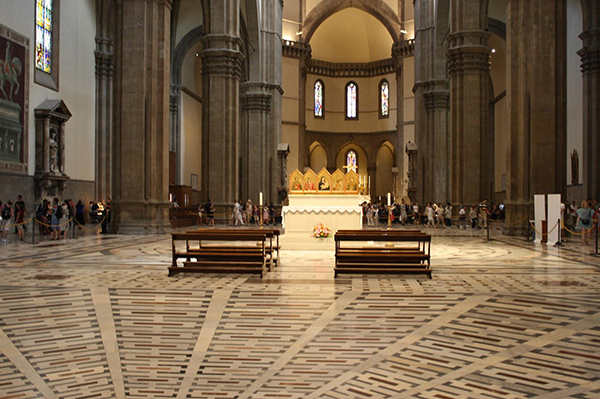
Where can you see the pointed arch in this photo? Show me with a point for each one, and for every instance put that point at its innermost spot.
(376, 8)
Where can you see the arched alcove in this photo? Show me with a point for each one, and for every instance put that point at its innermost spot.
(385, 163)
(317, 157)
(361, 156)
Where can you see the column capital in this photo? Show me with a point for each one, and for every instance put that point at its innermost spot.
(222, 62)
(590, 53)
(436, 99)
(468, 59)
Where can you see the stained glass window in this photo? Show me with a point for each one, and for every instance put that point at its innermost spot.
(351, 101)
(318, 98)
(351, 163)
(43, 35)
(384, 101)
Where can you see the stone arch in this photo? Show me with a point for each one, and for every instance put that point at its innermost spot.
(311, 151)
(362, 154)
(376, 8)
(183, 47)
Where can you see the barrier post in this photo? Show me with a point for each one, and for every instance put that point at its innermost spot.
(559, 242)
(33, 231)
(596, 253)
(74, 227)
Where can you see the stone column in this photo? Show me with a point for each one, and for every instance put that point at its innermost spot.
(175, 124)
(468, 64)
(437, 105)
(104, 55)
(46, 146)
(61, 147)
(536, 109)
(221, 72)
(590, 65)
(256, 101)
(141, 135)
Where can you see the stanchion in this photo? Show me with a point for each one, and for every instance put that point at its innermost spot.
(487, 223)
(597, 228)
(559, 242)
(33, 231)
(73, 235)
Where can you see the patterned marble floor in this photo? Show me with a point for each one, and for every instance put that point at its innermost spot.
(97, 317)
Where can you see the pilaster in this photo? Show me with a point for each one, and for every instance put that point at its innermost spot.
(468, 67)
(590, 67)
(104, 55)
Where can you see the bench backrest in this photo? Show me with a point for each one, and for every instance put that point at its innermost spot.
(268, 232)
(366, 236)
(213, 235)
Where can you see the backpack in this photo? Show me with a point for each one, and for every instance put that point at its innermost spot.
(6, 214)
(59, 212)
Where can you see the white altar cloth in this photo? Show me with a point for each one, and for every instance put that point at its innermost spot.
(337, 212)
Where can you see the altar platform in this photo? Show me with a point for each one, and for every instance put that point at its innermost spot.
(305, 211)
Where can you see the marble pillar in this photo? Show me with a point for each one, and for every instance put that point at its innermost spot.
(437, 105)
(590, 66)
(221, 72)
(536, 109)
(141, 119)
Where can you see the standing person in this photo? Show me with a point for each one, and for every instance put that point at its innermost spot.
(483, 211)
(584, 221)
(64, 225)
(80, 213)
(6, 215)
(249, 212)
(20, 216)
(403, 215)
(473, 217)
(265, 215)
(272, 214)
(448, 215)
(57, 215)
(462, 217)
(41, 215)
(369, 215)
(430, 215)
(416, 214)
(440, 216)
(237, 214)
(209, 210)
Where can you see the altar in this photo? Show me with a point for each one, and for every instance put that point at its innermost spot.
(333, 201)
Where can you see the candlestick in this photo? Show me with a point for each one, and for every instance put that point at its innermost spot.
(389, 199)
(260, 198)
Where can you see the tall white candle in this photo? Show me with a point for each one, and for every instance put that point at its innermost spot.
(260, 199)
(369, 189)
(389, 199)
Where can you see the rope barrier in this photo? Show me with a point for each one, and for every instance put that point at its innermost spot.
(99, 226)
(577, 234)
(542, 234)
(54, 225)
(18, 224)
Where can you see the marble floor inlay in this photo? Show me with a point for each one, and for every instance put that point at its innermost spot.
(98, 317)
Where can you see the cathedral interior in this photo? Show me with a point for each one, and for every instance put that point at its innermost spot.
(139, 102)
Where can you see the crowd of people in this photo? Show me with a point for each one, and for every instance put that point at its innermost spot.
(249, 214)
(54, 218)
(433, 215)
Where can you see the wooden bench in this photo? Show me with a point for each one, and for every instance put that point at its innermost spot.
(411, 259)
(272, 246)
(216, 259)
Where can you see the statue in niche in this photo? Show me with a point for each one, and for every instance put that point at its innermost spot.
(574, 168)
(53, 151)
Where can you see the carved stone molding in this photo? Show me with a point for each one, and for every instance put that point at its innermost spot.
(404, 48)
(590, 61)
(357, 69)
(293, 49)
(437, 99)
(256, 102)
(222, 62)
(174, 103)
(472, 59)
(105, 64)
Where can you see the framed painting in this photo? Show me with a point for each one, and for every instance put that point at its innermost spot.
(14, 100)
(337, 180)
(296, 182)
(351, 183)
(310, 182)
(324, 182)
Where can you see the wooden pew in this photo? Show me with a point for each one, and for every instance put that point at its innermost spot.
(412, 259)
(219, 259)
(272, 246)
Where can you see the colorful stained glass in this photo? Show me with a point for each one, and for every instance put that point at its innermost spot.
(385, 100)
(43, 35)
(351, 100)
(351, 164)
(318, 98)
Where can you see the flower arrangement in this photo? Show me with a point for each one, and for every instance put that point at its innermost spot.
(320, 231)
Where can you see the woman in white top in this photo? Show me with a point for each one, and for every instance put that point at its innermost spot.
(429, 213)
